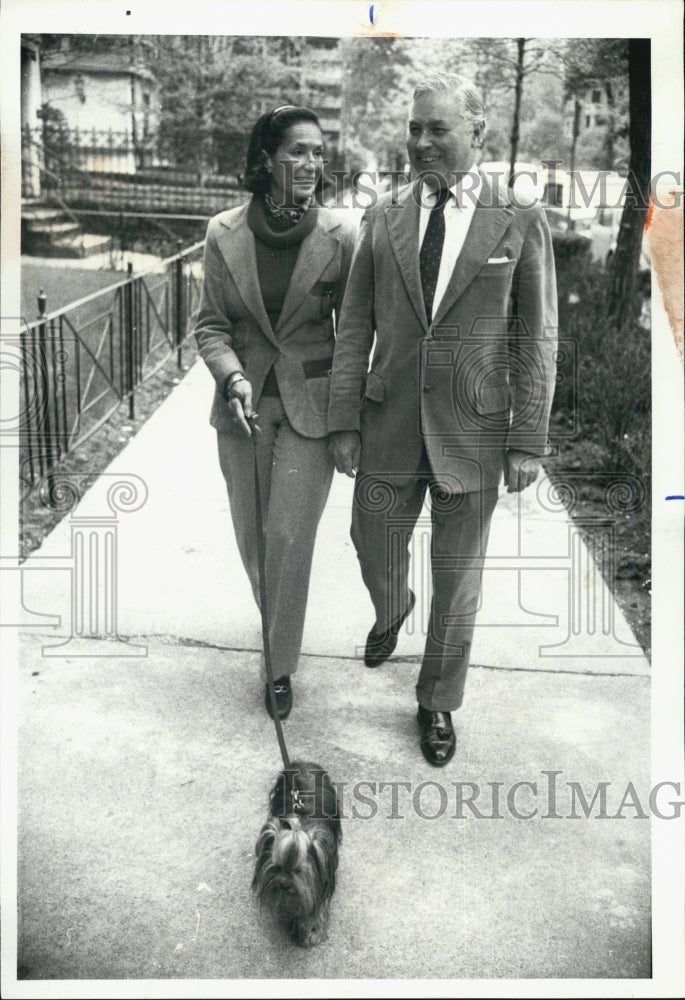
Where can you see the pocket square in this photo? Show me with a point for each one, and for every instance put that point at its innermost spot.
(499, 260)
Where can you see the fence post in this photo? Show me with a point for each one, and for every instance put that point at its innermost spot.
(45, 449)
(129, 334)
(28, 356)
(180, 317)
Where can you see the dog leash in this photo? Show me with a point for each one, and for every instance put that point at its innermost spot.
(292, 798)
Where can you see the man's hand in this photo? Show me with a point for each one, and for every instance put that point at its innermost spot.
(345, 447)
(522, 470)
(240, 404)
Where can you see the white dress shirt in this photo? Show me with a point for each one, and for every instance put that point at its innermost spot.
(459, 211)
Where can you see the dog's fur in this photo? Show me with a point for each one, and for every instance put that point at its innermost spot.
(297, 852)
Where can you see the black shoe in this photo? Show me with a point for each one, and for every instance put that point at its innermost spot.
(438, 741)
(379, 645)
(284, 697)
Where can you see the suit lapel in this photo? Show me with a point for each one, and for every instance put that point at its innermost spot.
(238, 249)
(488, 224)
(403, 228)
(316, 252)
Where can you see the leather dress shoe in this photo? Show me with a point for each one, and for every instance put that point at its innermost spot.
(438, 741)
(284, 697)
(379, 645)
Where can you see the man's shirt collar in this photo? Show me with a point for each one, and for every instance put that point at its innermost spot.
(429, 194)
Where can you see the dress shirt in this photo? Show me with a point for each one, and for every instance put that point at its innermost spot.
(458, 213)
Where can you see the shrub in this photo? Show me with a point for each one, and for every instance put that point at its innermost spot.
(605, 383)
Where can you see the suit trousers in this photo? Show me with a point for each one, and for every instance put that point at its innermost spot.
(384, 516)
(295, 475)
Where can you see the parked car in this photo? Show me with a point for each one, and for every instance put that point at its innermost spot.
(560, 218)
(527, 177)
(600, 226)
(605, 230)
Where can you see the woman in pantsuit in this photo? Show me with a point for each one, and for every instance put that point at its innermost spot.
(274, 277)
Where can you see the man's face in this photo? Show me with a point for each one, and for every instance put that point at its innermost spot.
(440, 137)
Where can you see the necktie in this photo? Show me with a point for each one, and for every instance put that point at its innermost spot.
(431, 251)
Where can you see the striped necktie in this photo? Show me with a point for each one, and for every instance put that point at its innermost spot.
(431, 251)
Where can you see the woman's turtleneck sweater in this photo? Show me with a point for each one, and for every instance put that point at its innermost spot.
(277, 242)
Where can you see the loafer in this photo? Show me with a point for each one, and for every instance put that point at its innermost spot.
(284, 697)
(438, 740)
(380, 645)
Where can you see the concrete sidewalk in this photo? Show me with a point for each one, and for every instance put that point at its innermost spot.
(146, 759)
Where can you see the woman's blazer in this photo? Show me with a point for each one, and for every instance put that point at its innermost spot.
(233, 331)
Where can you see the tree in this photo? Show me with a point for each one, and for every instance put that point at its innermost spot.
(503, 68)
(376, 89)
(213, 90)
(622, 293)
(518, 93)
(602, 63)
(543, 135)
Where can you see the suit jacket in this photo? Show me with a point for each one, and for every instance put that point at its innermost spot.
(481, 378)
(233, 331)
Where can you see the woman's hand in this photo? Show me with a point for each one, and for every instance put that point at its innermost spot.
(240, 404)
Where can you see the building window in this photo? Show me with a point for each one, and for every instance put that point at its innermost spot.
(596, 96)
(587, 121)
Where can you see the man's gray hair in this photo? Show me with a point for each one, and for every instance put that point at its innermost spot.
(458, 87)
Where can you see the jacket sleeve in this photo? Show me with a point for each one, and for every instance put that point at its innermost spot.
(348, 241)
(354, 337)
(533, 340)
(213, 327)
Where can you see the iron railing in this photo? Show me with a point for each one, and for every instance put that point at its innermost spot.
(80, 363)
(105, 169)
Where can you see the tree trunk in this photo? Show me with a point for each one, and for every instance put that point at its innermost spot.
(521, 46)
(610, 135)
(574, 142)
(623, 294)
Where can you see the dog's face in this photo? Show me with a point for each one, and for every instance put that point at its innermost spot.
(296, 864)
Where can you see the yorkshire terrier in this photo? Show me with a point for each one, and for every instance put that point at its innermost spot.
(297, 852)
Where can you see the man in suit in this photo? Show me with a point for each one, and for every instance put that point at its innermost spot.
(456, 281)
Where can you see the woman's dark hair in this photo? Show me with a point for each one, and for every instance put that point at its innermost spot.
(267, 134)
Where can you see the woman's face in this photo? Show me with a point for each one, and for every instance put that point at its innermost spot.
(297, 164)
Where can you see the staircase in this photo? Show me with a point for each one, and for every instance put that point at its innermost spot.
(52, 232)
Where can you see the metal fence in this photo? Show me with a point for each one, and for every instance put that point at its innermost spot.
(81, 362)
(105, 169)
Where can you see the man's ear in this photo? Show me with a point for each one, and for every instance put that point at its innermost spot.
(478, 135)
